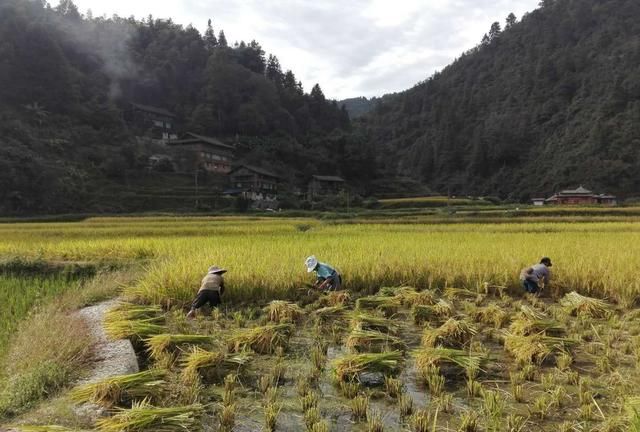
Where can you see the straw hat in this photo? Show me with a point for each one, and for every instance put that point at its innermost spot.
(216, 270)
(311, 263)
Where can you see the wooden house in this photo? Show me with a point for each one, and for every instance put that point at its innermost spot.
(324, 185)
(155, 122)
(203, 152)
(253, 183)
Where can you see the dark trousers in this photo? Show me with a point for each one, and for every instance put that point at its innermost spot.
(530, 286)
(204, 297)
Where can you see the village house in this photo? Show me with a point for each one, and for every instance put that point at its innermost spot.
(207, 153)
(324, 185)
(579, 196)
(253, 183)
(156, 123)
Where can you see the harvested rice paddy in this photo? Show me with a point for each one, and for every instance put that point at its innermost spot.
(431, 334)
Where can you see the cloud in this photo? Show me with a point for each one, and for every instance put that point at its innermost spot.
(352, 48)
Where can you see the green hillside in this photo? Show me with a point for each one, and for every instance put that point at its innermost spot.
(548, 102)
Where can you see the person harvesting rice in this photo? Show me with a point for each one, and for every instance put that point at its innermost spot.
(211, 290)
(531, 277)
(327, 277)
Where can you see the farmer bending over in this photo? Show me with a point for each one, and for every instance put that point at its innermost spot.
(211, 289)
(327, 277)
(532, 276)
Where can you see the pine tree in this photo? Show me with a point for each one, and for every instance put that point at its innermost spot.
(495, 31)
(222, 39)
(511, 20)
(68, 9)
(316, 94)
(274, 71)
(210, 41)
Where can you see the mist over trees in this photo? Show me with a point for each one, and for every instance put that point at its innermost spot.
(65, 78)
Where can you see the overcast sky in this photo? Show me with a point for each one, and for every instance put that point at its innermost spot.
(351, 47)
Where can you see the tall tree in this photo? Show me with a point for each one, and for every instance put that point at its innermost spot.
(495, 31)
(210, 40)
(274, 71)
(222, 39)
(511, 20)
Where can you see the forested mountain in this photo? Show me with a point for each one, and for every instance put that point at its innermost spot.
(65, 79)
(548, 102)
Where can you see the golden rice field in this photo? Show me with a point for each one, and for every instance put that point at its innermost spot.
(265, 256)
(459, 348)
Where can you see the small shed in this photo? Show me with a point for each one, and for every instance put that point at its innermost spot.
(538, 201)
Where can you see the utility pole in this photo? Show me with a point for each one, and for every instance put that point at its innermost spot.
(196, 183)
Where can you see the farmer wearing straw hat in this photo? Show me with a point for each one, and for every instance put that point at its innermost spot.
(211, 290)
(532, 276)
(327, 277)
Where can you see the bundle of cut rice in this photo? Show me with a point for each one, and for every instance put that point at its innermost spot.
(526, 326)
(440, 310)
(362, 321)
(453, 293)
(453, 333)
(577, 304)
(124, 329)
(158, 344)
(348, 368)
(142, 416)
(437, 356)
(330, 313)
(113, 390)
(492, 314)
(372, 341)
(280, 311)
(222, 362)
(387, 305)
(534, 348)
(409, 297)
(263, 340)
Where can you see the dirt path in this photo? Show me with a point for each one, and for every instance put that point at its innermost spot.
(112, 357)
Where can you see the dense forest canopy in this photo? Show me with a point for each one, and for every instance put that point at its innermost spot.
(65, 79)
(550, 101)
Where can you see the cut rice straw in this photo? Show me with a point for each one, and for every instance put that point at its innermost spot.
(113, 390)
(349, 367)
(577, 304)
(142, 416)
